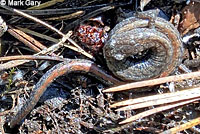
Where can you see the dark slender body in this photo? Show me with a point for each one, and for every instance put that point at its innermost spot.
(59, 70)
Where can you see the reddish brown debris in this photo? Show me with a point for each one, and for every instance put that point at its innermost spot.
(93, 36)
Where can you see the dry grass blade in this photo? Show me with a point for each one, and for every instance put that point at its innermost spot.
(31, 57)
(12, 64)
(29, 38)
(182, 127)
(33, 19)
(152, 97)
(156, 110)
(25, 41)
(146, 99)
(79, 49)
(42, 36)
(49, 27)
(153, 82)
(179, 97)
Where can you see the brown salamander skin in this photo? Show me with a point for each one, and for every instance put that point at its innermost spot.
(59, 70)
(140, 48)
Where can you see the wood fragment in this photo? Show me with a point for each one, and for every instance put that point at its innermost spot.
(25, 37)
(182, 127)
(48, 26)
(12, 64)
(157, 97)
(79, 49)
(156, 110)
(22, 39)
(179, 97)
(153, 82)
(33, 19)
(31, 57)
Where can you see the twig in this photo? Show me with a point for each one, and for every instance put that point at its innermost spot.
(22, 39)
(49, 27)
(57, 45)
(33, 19)
(26, 39)
(117, 129)
(79, 49)
(31, 57)
(1, 125)
(153, 82)
(157, 97)
(53, 40)
(182, 127)
(12, 64)
(156, 110)
(180, 97)
(42, 36)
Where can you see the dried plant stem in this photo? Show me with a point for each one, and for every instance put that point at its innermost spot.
(47, 26)
(180, 97)
(12, 64)
(157, 97)
(182, 127)
(156, 110)
(153, 82)
(77, 49)
(31, 57)
(22, 39)
(42, 36)
(33, 19)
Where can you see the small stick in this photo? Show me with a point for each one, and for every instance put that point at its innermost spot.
(29, 38)
(182, 127)
(47, 26)
(155, 97)
(12, 64)
(173, 99)
(156, 110)
(22, 39)
(43, 36)
(79, 49)
(33, 19)
(31, 57)
(153, 82)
